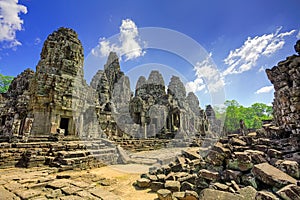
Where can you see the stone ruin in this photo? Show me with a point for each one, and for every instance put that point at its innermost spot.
(56, 102)
(262, 165)
(286, 81)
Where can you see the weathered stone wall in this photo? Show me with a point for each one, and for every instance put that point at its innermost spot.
(55, 101)
(166, 114)
(64, 155)
(286, 105)
(14, 119)
(52, 88)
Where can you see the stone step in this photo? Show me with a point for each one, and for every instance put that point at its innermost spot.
(102, 151)
(73, 154)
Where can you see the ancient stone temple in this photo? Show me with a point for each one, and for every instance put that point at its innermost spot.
(14, 112)
(166, 114)
(53, 84)
(286, 81)
(56, 102)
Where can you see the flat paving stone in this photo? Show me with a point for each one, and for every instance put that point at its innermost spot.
(28, 194)
(86, 194)
(5, 194)
(103, 194)
(71, 189)
(57, 184)
(72, 197)
(13, 186)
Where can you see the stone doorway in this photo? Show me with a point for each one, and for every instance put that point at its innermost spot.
(64, 124)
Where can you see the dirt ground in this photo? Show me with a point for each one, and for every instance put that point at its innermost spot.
(125, 176)
(108, 183)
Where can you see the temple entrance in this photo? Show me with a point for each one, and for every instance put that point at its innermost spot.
(64, 124)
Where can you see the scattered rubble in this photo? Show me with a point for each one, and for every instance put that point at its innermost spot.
(262, 165)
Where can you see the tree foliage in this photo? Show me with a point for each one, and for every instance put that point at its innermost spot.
(252, 115)
(5, 82)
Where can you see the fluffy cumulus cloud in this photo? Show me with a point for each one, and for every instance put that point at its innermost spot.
(265, 89)
(10, 22)
(129, 44)
(245, 57)
(206, 71)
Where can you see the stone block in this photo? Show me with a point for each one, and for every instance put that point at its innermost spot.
(272, 176)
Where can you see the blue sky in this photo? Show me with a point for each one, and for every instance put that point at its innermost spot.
(239, 38)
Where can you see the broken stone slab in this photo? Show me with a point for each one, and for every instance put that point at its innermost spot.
(265, 195)
(173, 186)
(164, 194)
(155, 186)
(237, 142)
(249, 179)
(54, 194)
(103, 194)
(215, 158)
(220, 186)
(178, 195)
(272, 176)
(257, 156)
(5, 194)
(236, 164)
(14, 186)
(161, 177)
(189, 178)
(248, 193)
(219, 147)
(58, 184)
(85, 194)
(71, 189)
(186, 186)
(211, 194)
(289, 192)
(28, 194)
(273, 153)
(229, 175)
(290, 167)
(191, 154)
(235, 186)
(72, 197)
(209, 175)
(190, 195)
(143, 183)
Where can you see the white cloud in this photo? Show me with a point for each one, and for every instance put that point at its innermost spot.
(245, 57)
(37, 41)
(298, 35)
(261, 69)
(205, 70)
(10, 22)
(265, 89)
(129, 43)
(195, 86)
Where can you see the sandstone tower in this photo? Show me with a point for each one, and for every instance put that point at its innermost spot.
(55, 101)
(53, 84)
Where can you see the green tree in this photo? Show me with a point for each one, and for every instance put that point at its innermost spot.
(5, 82)
(252, 115)
(232, 115)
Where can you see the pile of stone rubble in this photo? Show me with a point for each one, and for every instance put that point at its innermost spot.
(236, 167)
(262, 165)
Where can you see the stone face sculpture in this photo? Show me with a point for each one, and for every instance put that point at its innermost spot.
(166, 113)
(56, 100)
